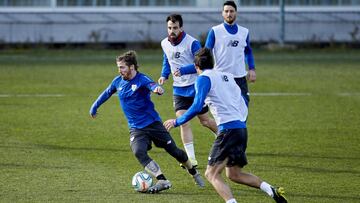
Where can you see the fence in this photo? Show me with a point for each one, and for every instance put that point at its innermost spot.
(115, 25)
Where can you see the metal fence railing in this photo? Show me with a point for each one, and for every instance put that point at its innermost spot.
(130, 25)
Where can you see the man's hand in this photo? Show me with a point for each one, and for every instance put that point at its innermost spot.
(159, 90)
(251, 76)
(169, 124)
(93, 112)
(162, 80)
(177, 73)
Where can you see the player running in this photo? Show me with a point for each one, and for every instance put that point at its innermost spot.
(133, 89)
(221, 93)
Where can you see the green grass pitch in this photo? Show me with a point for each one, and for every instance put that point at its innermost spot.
(304, 129)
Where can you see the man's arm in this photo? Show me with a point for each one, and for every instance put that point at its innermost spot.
(210, 40)
(250, 60)
(165, 72)
(156, 88)
(103, 97)
(189, 69)
(202, 87)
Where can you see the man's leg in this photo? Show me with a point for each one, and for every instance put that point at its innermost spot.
(140, 144)
(237, 175)
(213, 174)
(187, 139)
(208, 122)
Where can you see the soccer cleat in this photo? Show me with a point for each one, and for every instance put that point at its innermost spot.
(198, 180)
(279, 195)
(159, 186)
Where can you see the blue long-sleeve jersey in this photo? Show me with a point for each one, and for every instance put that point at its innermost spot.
(233, 29)
(202, 87)
(134, 96)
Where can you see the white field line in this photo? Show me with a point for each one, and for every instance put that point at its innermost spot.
(32, 95)
(275, 94)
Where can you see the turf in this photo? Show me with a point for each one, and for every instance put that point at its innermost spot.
(303, 127)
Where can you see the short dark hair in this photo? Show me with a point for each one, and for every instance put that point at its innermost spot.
(175, 18)
(204, 59)
(129, 58)
(230, 3)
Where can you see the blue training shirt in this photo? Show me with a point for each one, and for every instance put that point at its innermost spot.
(232, 29)
(187, 91)
(134, 96)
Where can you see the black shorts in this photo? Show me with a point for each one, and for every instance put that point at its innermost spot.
(142, 139)
(184, 103)
(230, 144)
(154, 132)
(242, 83)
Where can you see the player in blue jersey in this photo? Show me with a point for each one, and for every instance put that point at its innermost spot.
(220, 92)
(179, 50)
(230, 44)
(134, 89)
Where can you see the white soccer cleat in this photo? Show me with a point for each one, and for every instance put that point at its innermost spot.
(159, 186)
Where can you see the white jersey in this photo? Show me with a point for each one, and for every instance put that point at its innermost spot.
(224, 98)
(180, 55)
(229, 50)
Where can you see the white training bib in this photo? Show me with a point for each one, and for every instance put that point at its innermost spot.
(180, 55)
(229, 50)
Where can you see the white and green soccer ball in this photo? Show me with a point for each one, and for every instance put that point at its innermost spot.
(141, 181)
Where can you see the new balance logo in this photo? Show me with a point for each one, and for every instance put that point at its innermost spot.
(233, 43)
(225, 78)
(177, 55)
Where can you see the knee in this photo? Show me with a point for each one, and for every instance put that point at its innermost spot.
(140, 154)
(205, 123)
(185, 125)
(210, 175)
(235, 177)
(231, 176)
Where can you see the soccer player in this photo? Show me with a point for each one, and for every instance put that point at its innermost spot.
(230, 44)
(220, 92)
(179, 49)
(133, 89)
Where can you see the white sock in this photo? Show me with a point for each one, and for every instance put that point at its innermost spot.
(153, 168)
(264, 186)
(233, 200)
(189, 148)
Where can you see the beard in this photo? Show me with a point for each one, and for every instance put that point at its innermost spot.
(230, 20)
(126, 76)
(173, 36)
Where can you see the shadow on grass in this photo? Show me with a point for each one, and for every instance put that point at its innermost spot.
(292, 196)
(65, 148)
(319, 170)
(69, 148)
(305, 156)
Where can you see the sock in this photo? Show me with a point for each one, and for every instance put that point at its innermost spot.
(189, 148)
(232, 200)
(192, 171)
(264, 186)
(161, 177)
(153, 168)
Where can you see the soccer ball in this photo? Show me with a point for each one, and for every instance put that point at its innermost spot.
(141, 181)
